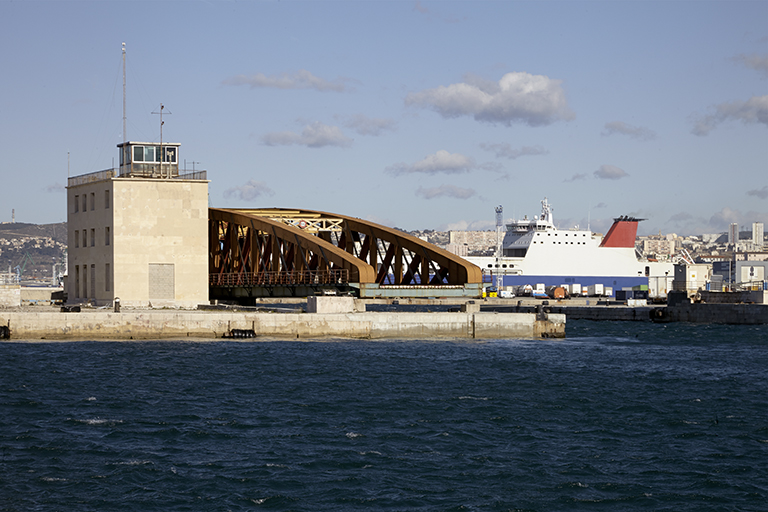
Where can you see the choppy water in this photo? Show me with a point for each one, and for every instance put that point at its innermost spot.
(619, 416)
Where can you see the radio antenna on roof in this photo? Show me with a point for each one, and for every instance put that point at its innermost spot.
(125, 136)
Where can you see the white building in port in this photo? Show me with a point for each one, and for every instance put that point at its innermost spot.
(140, 232)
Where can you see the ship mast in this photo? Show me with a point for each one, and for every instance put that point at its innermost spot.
(499, 225)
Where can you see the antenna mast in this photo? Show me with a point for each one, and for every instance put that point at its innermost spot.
(499, 225)
(125, 138)
(162, 107)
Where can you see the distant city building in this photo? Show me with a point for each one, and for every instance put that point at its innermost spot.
(659, 247)
(733, 234)
(757, 235)
(474, 240)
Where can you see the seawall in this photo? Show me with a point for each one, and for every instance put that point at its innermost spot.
(165, 324)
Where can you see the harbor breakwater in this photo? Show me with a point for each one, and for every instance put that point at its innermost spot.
(168, 324)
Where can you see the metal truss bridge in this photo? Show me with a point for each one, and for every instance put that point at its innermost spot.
(283, 252)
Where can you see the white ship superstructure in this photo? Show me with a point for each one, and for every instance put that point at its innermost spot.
(535, 252)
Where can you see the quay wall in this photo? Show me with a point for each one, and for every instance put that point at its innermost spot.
(702, 313)
(148, 324)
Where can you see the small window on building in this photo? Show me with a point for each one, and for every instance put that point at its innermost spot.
(106, 199)
(106, 235)
(85, 281)
(93, 200)
(85, 238)
(93, 237)
(106, 276)
(77, 281)
(77, 238)
(77, 203)
(85, 202)
(93, 281)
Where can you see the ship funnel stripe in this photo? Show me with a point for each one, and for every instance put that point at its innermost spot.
(622, 233)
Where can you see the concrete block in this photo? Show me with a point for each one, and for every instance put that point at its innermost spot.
(328, 304)
(10, 295)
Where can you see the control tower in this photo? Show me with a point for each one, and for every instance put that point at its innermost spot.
(139, 232)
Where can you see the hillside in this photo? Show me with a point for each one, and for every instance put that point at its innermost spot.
(33, 248)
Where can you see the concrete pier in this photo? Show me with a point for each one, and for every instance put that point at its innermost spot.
(165, 324)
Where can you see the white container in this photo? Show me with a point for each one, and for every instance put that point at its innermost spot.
(595, 290)
(575, 289)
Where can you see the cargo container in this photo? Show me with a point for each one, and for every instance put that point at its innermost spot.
(595, 290)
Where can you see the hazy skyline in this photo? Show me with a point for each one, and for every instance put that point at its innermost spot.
(420, 115)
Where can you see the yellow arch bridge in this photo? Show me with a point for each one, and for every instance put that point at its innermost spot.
(285, 252)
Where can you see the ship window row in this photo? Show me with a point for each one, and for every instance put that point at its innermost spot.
(503, 265)
(566, 243)
(84, 201)
(85, 238)
(566, 234)
(82, 280)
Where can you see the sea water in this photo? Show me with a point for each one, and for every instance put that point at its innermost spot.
(618, 416)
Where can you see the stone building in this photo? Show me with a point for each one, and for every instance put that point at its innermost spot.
(139, 233)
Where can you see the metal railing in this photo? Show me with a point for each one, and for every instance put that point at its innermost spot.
(307, 277)
(91, 177)
(195, 175)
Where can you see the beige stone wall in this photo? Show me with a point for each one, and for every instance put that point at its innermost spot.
(89, 255)
(158, 247)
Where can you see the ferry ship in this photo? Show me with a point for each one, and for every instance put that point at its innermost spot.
(534, 253)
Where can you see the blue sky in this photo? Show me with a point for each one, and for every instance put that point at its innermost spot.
(420, 115)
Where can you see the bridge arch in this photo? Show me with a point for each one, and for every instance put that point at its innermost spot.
(304, 250)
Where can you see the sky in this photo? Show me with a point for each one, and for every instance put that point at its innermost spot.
(411, 114)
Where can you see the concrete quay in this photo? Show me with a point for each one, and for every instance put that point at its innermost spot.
(181, 324)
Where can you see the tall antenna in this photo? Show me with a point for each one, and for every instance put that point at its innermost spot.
(125, 136)
(162, 107)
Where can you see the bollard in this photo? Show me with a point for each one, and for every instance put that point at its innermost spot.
(117, 304)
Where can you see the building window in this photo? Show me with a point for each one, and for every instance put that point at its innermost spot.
(93, 200)
(93, 281)
(85, 281)
(77, 281)
(77, 203)
(93, 237)
(106, 277)
(106, 199)
(77, 238)
(106, 235)
(85, 202)
(85, 238)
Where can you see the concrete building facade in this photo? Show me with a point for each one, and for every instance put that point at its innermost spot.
(141, 236)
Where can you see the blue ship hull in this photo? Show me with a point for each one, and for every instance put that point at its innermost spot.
(615, 282)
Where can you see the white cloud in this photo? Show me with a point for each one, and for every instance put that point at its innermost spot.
(519, 97)
(445, 191)
(756, 62)
(636, 132)
(754, 110)
(315, 135)
(762, 193)
(505, 150)
(577, 177)
(249, 191)
(56, 187)
(610, 172)
(680, 217)
(440, 162)
(301, 79)
(469, 225)
(364, 125)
